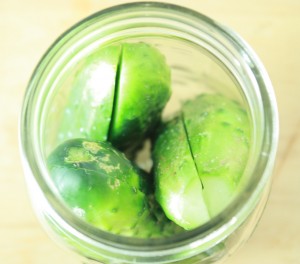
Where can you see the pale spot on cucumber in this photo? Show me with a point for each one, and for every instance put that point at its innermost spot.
(77, 155)
(105, 158)
(114, 183)
(109, 168)
(93, 147)
(218, 194)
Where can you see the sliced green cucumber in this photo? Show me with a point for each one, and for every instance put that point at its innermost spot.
(118, 93)
(90, 104)
(199, 158)
(178, 188)
(142, 92)
(219, 134)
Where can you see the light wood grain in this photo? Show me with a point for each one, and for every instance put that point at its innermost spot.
(272, 27)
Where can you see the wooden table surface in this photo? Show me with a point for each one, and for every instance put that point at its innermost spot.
(272, 27)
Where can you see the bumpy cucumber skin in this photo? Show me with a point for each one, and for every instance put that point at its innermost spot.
(143, 91)
(219, 135)
(90, 104)
(118, 94)
(177, 186)
(209, 143)
(103, 187)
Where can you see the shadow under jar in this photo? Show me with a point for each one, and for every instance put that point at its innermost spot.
(204, 57)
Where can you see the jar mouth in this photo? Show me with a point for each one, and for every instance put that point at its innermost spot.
(187, 22)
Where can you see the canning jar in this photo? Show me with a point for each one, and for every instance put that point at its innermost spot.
(204, 56)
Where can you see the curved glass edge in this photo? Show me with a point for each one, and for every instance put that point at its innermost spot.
(28, 151)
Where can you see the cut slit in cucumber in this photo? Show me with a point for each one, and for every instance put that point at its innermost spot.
(178, 188)
(190, 147)
(142, 90)
(87, 113)
(219, 136)
(214, 133)
(116, 94)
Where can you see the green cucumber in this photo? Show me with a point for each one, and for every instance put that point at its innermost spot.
(101, 186)
(177, 185)
(219, 135)
(143, 91)
(90, 104)
(199, 158)
(117, 94)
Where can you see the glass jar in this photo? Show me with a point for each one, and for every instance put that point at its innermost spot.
(204, 57)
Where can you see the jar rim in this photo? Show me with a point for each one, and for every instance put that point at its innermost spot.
(33, 157)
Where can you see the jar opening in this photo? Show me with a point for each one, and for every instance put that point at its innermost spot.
(200, 45)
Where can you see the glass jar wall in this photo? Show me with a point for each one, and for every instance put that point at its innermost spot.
(204, 56)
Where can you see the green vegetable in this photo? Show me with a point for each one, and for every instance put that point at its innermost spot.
(178, 189)
(220, 140)
(199, 158)
(116, 101)
(90, 104)
(103, 187)
(118, 94)
(143, 90)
